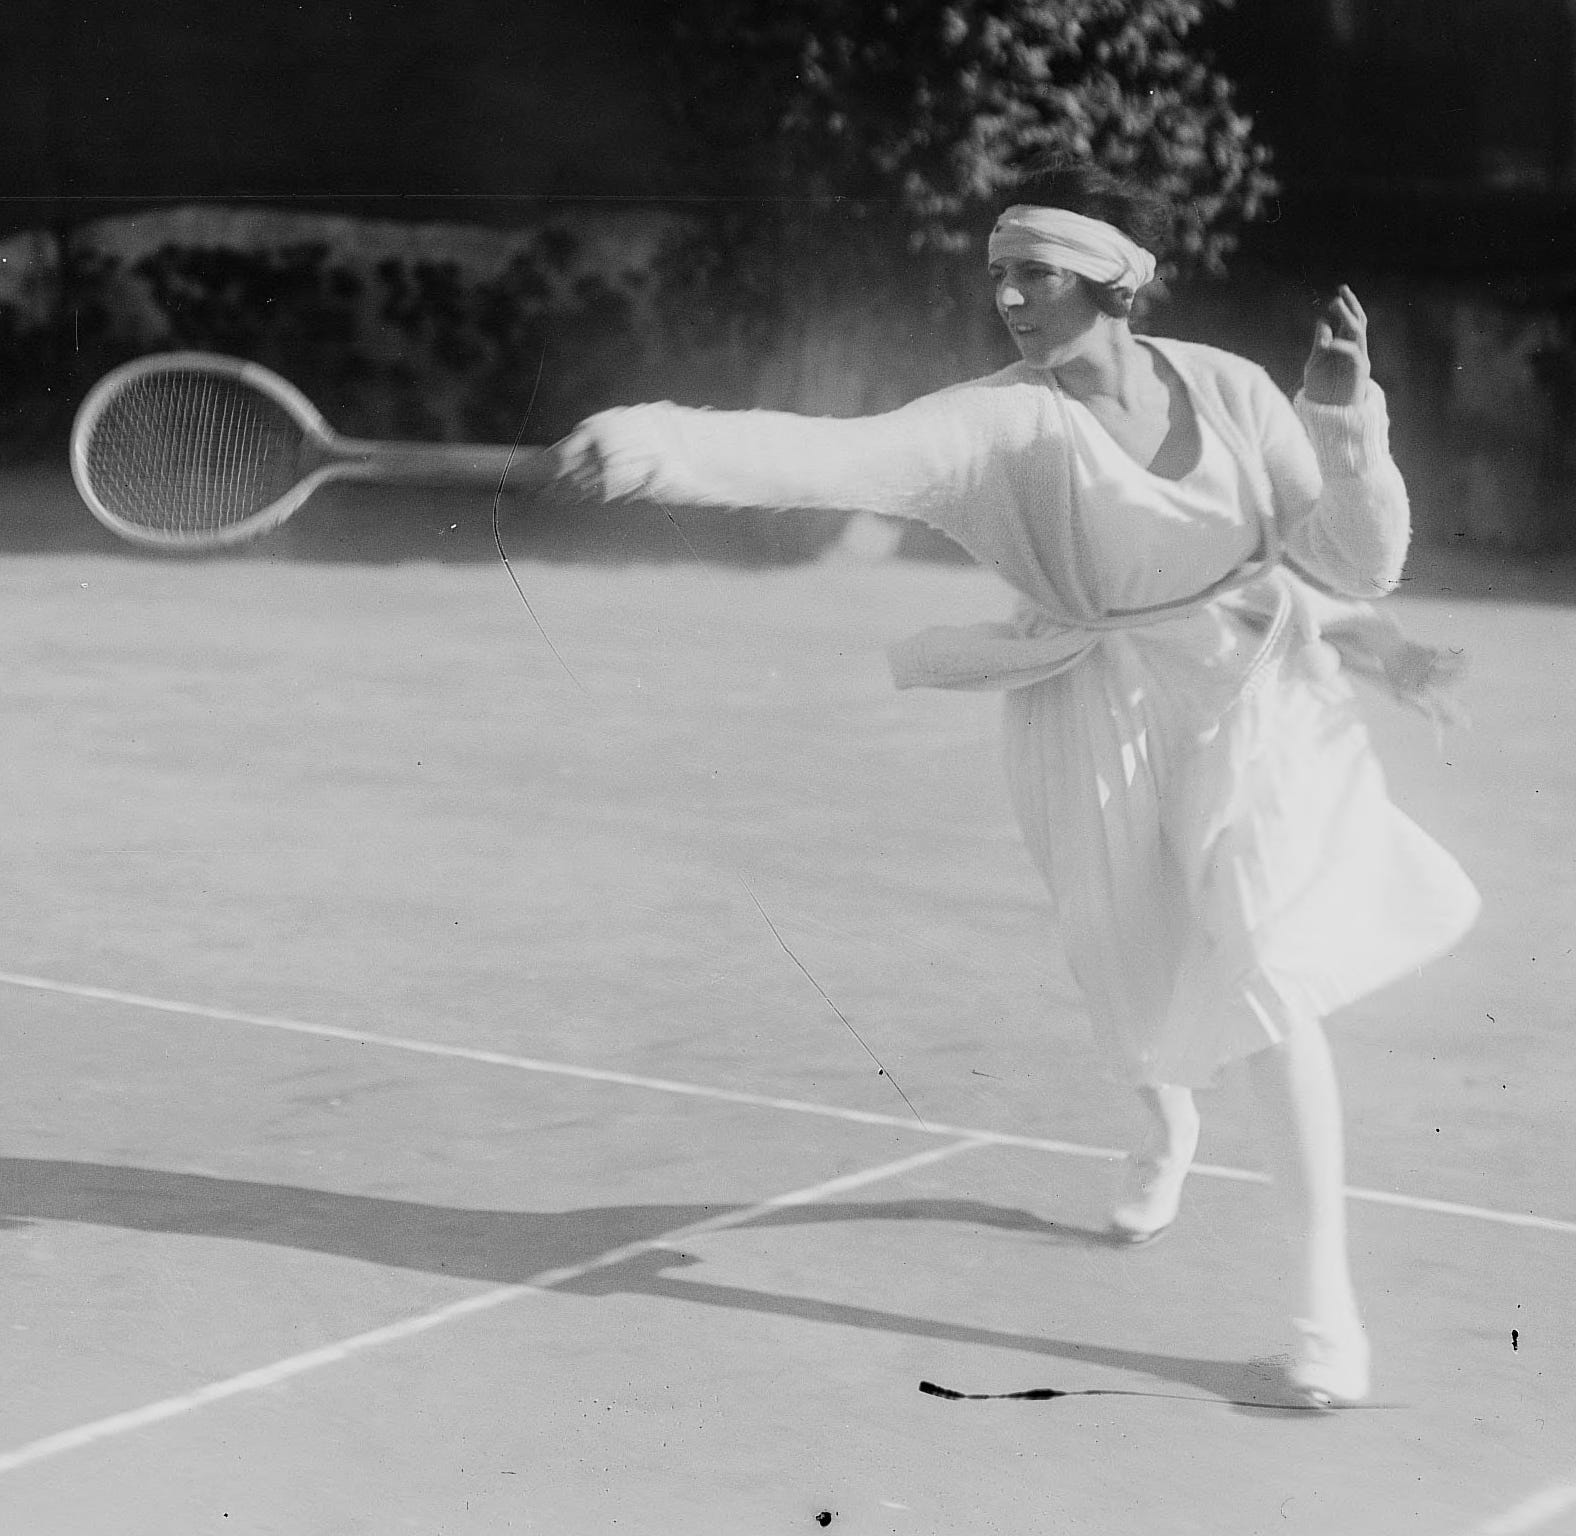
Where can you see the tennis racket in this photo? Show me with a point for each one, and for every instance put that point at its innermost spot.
(194, 451)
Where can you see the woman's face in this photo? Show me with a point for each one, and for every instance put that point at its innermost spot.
(1050, 313)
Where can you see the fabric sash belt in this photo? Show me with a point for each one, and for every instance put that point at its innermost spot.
(1322, 631)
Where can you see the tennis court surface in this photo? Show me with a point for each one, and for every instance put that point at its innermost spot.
(433, 1100)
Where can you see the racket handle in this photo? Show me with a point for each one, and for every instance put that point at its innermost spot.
(527, 467)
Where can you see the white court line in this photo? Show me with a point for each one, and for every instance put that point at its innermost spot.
(1532, 1513)
(738, 1096)
(330, 1354)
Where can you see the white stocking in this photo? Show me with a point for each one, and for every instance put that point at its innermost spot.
(1175, 1118)
(1300, 1109)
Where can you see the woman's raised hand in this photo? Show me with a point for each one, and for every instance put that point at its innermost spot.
(1338, 370)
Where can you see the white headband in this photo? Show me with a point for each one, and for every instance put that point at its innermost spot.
(1070, 241)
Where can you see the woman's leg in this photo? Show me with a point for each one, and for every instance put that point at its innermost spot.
(1300, 1108)
(1152, 1184)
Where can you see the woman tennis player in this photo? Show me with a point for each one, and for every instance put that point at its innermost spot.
(1194, 557)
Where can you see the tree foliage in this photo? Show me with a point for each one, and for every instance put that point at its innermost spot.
(911, 115)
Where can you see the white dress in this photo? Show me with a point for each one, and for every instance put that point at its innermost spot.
(1224, 863)
(1199, 793)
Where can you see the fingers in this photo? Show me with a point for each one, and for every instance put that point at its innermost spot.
(1345, 310)
(1338, 366)
(1325, 340)
(577, 463)
(1343, 328)
(571, 449)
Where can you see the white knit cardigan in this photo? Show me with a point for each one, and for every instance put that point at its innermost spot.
(987, 463)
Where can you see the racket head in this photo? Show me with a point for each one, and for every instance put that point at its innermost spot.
(195, 450)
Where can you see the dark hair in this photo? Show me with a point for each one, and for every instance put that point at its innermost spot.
(1057, 181)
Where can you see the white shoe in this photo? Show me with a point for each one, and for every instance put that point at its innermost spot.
(1331, 1370)
(1152, 1192)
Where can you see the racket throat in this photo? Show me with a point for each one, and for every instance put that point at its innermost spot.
(432, 463)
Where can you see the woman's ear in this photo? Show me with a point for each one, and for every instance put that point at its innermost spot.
(1116, 302)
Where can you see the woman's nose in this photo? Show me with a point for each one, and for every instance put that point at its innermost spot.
(1009, 297)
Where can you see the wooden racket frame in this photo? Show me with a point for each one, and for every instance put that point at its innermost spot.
(329, 456)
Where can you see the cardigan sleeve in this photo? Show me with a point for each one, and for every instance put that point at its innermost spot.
(1340, 499)
(933, 460)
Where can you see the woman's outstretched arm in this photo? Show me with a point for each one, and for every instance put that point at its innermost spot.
(927, 460)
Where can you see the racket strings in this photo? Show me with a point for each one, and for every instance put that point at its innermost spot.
(192, 452)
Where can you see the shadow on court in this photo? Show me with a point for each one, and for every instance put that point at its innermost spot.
(508, 1247)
